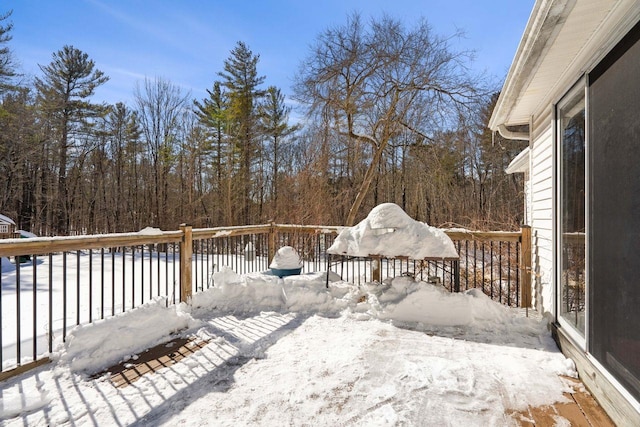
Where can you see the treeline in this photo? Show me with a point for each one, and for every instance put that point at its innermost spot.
(391, 114)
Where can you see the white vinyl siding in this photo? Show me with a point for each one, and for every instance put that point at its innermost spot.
(527, 197)
(542, 219)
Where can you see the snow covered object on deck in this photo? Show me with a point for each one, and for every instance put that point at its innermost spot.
(388, 231)
(286, 262)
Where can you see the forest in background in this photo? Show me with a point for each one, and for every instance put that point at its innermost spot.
(387, 113)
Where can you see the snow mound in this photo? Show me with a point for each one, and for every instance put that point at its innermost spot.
(406, 300)
(26, 234)
(96, 346)
(389, 231)
(286, 258)
(257, 292)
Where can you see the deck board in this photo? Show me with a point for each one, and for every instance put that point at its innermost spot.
(152, 360)
(581, 410)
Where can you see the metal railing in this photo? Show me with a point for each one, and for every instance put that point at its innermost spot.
(360, 270)
(58, 283)
(68, 281)
(492, 262)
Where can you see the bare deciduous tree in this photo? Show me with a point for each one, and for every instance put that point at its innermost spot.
(160, 107)
(374, 82)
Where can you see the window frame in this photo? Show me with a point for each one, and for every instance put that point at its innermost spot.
(580, 337)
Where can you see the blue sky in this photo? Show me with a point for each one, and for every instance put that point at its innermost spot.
(186, 41)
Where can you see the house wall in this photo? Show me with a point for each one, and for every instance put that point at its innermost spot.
(618, 403)
(527, 198)
(7, 230)
(564, 42)
(541, 216)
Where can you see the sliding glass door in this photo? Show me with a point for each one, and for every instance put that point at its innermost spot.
(572, 210)
(614, 212)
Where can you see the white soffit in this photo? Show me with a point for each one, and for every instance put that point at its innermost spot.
(561, 40)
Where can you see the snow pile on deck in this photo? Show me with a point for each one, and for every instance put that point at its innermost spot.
(389, 231)
(96, 346)
(403, 301)
(406, 300)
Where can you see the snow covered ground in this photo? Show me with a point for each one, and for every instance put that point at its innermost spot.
(291, 352)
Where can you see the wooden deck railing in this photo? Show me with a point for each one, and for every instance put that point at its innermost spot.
(76, 280)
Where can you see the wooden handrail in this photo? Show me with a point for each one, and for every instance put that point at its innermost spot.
(486, 236)
(185, 236)
(42, 245)
(45, 245)
(240, 230)
(243, 230)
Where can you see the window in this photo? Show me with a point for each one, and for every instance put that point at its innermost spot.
(572, 210)
(4, 228)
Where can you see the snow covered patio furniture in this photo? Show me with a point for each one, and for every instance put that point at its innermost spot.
(390, 238)
(286, 262)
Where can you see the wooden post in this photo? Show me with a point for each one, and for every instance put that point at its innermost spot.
(525, 266)
(376, 274)
(186, 251)
(271, 251)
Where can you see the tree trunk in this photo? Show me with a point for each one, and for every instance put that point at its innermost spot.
(366, 184)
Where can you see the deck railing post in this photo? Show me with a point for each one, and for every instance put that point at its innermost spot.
(376, 274)
(525, 266)
(456, 275)
(271, 251)
(186, 251)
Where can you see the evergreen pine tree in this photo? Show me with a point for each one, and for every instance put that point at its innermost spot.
(63, 92)
(274, 119)
(240, 79)
(7, 65)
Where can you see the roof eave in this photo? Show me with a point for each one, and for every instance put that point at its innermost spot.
(520, 163)
(543, 26)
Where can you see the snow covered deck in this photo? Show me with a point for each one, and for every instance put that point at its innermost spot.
(580, 408)
(289, 351)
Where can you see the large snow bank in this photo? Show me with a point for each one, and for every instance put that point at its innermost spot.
(256, 292)
(403, 301)
(389, 231)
